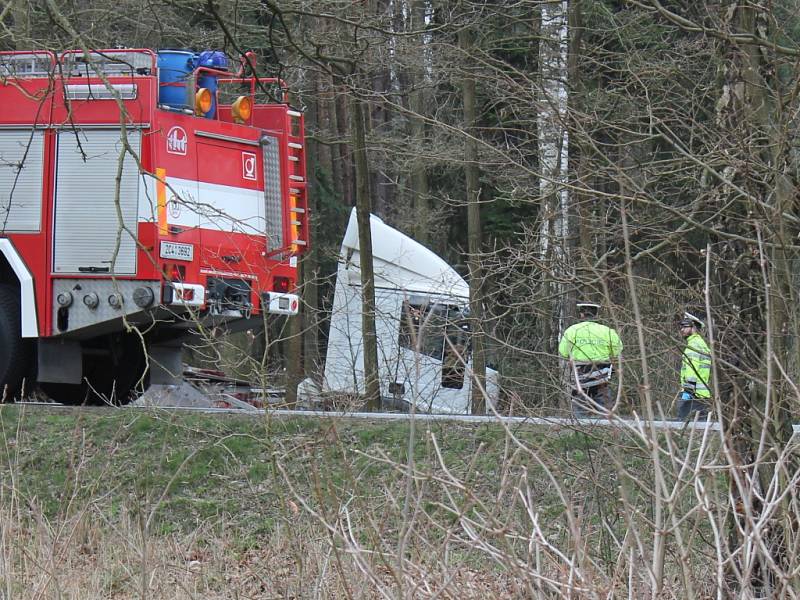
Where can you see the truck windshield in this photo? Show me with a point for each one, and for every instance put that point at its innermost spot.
(433, 329)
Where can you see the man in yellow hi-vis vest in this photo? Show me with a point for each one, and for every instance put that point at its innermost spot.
(590, 348)
(695, 369)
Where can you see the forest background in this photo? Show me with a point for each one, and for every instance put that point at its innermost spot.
(614, 152)
(638, 153)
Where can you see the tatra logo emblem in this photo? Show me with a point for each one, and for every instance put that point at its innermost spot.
(177, 141)
(249, 166)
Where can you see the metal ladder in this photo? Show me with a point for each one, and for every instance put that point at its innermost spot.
(298, 197)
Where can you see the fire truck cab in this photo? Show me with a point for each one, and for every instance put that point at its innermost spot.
(143, 196)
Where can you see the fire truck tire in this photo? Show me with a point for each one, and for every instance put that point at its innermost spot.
(125, 375)
(16, 352)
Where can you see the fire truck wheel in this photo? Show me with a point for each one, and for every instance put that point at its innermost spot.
(126, 369)
(16, 352)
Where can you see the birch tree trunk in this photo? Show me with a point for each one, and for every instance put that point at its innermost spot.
(417, 102)
(553, 144)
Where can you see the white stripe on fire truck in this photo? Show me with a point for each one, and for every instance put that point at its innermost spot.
(191, 203)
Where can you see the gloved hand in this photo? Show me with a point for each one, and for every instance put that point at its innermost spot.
(686, 396)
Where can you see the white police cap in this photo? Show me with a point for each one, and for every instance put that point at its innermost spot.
(689, 319)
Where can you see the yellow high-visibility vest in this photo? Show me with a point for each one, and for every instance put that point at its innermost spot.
(696, 366)
(590, 342)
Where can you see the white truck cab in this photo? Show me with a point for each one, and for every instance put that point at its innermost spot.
(422, 310)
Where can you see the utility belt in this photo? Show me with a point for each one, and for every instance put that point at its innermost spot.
(694, 389)
(593, 374)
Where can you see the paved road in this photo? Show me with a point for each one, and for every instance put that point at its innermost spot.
(623, 423)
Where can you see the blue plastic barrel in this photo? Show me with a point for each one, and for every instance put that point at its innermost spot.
(211, 59)
(174, 68)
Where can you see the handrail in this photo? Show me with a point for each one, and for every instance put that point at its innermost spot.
(9, 68)
(47, 53)
(110, 52)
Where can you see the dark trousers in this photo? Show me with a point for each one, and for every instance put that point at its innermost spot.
(688, 408)
(599, 394)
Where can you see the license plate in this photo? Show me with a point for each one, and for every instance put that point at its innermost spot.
(177, 251)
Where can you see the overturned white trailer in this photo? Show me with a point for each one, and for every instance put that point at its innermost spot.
(421, 324)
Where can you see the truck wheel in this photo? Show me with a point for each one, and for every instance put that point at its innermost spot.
(16, 352)
(122, 371)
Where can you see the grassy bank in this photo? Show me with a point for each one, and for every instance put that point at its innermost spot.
(126, 504)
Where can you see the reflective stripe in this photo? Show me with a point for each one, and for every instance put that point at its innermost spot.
(588, 384)
(161, 200)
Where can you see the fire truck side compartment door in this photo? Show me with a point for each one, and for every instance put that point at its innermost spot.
(86, 221)
(21, 157)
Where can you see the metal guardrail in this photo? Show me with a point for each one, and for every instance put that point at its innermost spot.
(636, 424)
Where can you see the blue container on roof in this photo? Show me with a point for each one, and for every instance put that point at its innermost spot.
(211, 59)
(174, 69)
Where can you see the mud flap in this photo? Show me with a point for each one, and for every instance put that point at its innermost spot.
(59, 361)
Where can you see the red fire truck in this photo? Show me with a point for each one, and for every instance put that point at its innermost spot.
(143, 196)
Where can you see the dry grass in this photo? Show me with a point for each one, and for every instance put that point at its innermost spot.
(124, 504)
